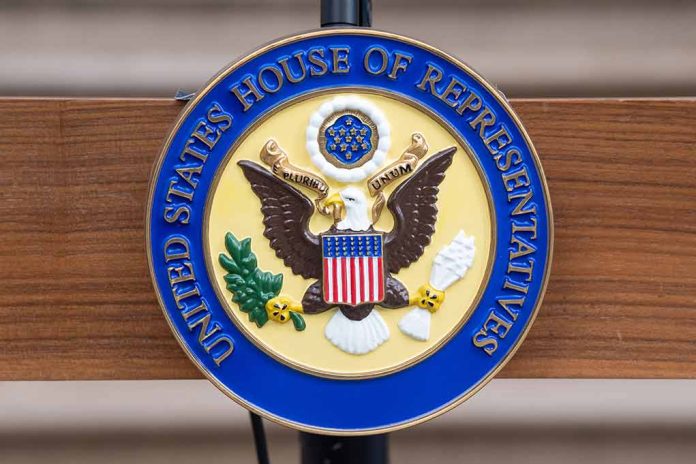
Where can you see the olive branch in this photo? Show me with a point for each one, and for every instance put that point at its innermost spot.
(251, 287)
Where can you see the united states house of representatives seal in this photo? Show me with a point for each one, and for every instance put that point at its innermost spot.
(349, 231)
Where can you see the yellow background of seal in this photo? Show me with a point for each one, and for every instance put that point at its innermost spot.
(463, 204)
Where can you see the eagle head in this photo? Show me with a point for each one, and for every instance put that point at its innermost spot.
(354, 202)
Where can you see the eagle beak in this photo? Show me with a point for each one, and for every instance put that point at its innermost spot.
(335, 199)
(335, 205)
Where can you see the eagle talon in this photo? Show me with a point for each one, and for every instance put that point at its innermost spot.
(280, 307)
(428, 297)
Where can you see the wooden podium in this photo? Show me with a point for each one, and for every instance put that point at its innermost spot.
(77, 302)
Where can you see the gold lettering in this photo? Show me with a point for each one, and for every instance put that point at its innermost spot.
(316, 57)
(178, 297)
(526, 228)
(502, 138)
(484, 119)
(522, 269)
(177, 274)
(432, 76)
(506, 303)
(222, 356)
(189, 150)
(187, 172)
(508, 159)
(203, 137)
(340, 57)
(486, 342)
(171, 249)
(288, 73)
(452, 91)
(175, 190)
(278, 75)
(519, 209)
(523, 248)
(385, 60)
(280, 165)
(495, 323)
(203, 332)
(251, 90)
(401, 62)
(406, 163)
(518, 177)
(217, 115)
(189, 313)
(512, 285)
(472, 103)
(181, 213)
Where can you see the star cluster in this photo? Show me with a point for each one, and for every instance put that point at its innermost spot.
(348, 139)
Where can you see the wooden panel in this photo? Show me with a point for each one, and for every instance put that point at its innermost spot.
(76, 301)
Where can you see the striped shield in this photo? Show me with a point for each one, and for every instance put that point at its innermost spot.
(353, 268)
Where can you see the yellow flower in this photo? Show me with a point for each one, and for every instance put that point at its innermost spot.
(428, 298)
(278, 308)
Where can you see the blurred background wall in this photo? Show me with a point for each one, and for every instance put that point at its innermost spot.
(528, 48)
(532, 48)
(508, 422)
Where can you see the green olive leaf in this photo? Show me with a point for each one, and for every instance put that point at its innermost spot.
(298, 321)
(251, 287)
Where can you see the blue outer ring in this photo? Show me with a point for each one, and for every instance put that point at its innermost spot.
(300, 399)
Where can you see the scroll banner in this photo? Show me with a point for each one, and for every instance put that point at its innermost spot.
(277, 160)
(404, 166)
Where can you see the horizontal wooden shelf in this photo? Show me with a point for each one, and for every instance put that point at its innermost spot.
(76, 301)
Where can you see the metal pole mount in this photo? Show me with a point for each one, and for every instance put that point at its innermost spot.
(346, 13)
(321, 449)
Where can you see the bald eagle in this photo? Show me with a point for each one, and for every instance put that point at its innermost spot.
(356, 329)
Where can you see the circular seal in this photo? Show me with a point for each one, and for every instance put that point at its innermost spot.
(349, 231)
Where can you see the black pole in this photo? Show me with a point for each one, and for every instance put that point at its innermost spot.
(346, 13)
(259, 439)
(321, 449)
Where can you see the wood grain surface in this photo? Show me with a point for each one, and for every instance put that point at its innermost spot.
(76, 301)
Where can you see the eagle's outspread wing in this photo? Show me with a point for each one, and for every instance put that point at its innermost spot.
(414, 206)
(286, 212)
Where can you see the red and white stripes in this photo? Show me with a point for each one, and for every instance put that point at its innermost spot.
(351, 279)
